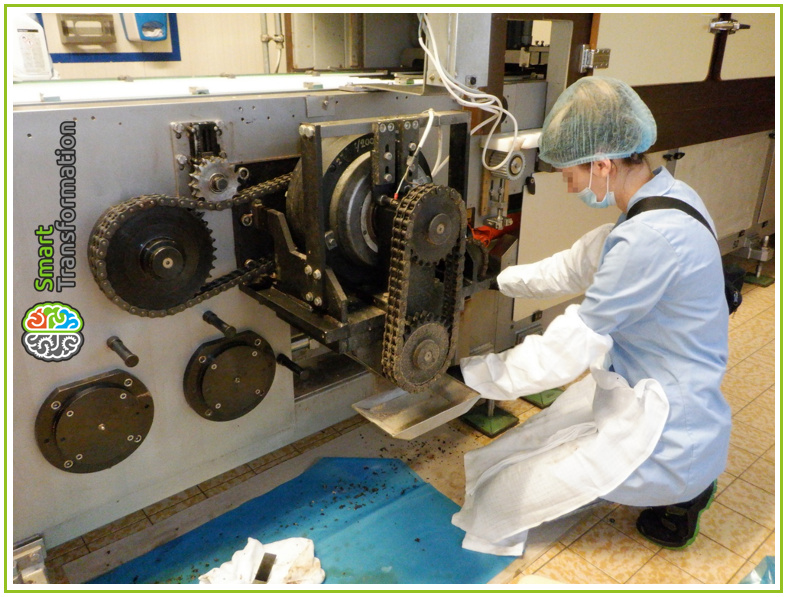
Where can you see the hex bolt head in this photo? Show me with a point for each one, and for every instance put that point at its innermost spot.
(318, 301)
(407, 125)
(306, 131)
(389, 177)
(309, 296)
(412, 147)
(308, 270)
(382, 128)
(317, 274)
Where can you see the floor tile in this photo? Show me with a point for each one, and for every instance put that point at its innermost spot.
(706, 560)
(63, 558)
(749, 438)
(576, 531)
(739, 460)
(738, 392)
(723, 481)
(611, 551)
(172, 500)
(768, 401)
(766, 549)
(761, 474)
(756, 416)
(658, 571)
(755, 373)
(126, 531)
(568, 567)
(749, 500)
(542, 560)
(224, 477)
(275, 456)
(59, 550)
(217, 489)
(732, 530)
(160, 515)
(624, 518)
(115, 526)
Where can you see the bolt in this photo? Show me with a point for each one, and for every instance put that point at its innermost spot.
(254, 353)
(218, 405)
(138, 439)
(123, 396)
(68, 464)
(218, 183)
(78, 456)
(237, 380)
(415, 124)
(130, 438)
(55, 405)
(202, 359)
(390, 127)
(102, 427)
(182, 159)
(412, 147)
(177, 127)
(247, 219)
(407, 125)
(258, 342)
(306, 131)
(382, 128)
(325, 104)
(127, 382)
(308, 270)
(258, 391)
(309, 296)
(387, 155)
(318, 301)
(432, 77)
(317, 274)
(249, 263)
(388, 177)
(70, 413)
(214, 366)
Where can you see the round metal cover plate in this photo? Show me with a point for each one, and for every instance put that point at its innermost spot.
(227, 378)
(95, 423)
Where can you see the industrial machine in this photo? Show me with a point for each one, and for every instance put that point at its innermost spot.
(272, 254)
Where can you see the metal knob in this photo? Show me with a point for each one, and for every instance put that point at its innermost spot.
(128, 357)
(224, 328)
(299, 371)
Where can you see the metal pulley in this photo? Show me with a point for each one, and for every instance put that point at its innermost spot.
(94, 423)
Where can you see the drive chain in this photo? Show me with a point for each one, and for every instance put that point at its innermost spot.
(114, 217)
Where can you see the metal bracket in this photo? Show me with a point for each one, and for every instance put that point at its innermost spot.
(591, 58)
(29, 556)
(726, 26)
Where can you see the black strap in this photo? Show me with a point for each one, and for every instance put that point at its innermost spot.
(649, 203)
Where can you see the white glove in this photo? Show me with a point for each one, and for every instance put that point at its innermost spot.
(567, 348)
(567, 272)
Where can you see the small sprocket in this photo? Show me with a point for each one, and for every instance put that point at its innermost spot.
(215, 179)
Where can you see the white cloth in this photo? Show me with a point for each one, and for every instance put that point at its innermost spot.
(539, 363)
(565, 273)
(577, 450)
(295, 564)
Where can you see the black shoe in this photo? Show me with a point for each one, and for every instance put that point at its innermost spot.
(675, 526)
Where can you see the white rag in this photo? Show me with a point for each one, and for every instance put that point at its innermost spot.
(580, 448)
(295, 564)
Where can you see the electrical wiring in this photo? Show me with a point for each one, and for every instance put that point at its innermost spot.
(412, 159)
(476, 99)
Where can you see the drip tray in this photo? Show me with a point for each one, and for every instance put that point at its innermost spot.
(407, 416)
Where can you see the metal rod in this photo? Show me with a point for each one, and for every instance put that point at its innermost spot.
(117, 346)
(299, 371)
(225, 328)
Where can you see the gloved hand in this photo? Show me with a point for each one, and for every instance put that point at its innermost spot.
(565, 273)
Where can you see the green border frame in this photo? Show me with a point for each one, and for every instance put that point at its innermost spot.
(733, 589)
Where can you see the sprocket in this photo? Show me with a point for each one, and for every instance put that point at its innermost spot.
(214, 179)
(158, 257)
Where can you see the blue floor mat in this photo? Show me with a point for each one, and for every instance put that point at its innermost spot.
(373, 521)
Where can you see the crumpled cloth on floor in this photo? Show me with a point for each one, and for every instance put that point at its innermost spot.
(579, 449)
(295, 564)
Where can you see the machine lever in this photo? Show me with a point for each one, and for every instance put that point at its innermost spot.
(128, 357)
(224, 328)
(299, 371)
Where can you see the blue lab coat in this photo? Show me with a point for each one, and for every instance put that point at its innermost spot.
(659, 293)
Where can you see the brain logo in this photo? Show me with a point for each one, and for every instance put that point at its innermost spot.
(52, 331)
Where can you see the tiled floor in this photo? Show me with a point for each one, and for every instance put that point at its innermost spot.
(598, 546)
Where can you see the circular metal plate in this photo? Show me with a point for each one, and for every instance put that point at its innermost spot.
(94, 423)
(227, 378)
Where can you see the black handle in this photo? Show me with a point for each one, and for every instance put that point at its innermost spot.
(224, 328)
(117, 346)
(299, 371)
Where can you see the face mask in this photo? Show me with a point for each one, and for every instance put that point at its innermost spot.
(588, 196)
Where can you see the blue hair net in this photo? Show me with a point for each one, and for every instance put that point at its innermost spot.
(596, 118)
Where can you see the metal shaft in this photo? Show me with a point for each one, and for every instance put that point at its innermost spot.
(225, 328)
(299, 371)
(117, 346)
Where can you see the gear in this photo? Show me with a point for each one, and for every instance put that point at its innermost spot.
(214, 179)
(159, 257)
(420, 335)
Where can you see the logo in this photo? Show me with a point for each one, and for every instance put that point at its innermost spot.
(52, 331)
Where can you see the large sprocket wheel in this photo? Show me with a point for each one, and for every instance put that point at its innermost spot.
(159, 257)
(436, 225)
(424, 355)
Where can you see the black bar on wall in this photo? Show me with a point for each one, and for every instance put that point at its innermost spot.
(691, 113)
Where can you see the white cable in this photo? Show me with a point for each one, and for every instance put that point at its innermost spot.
(412, 158)
(484, 101)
